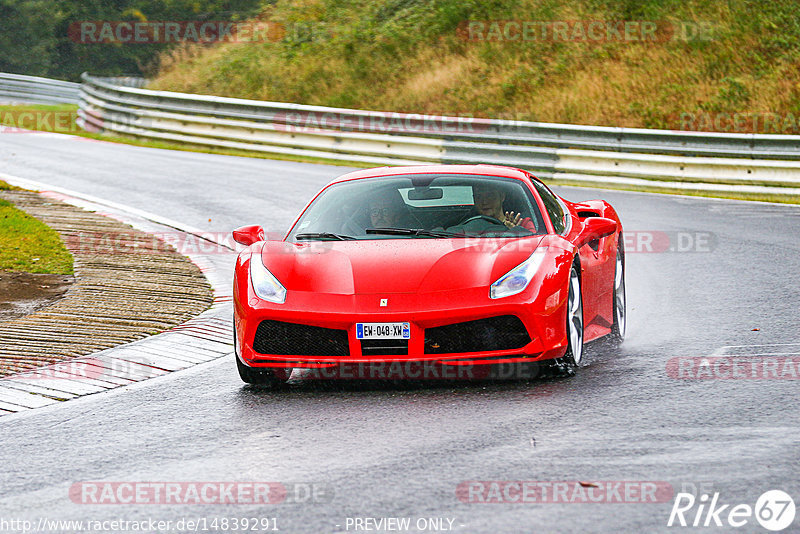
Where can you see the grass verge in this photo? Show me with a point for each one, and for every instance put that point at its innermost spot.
(6, 187)
(28, 245)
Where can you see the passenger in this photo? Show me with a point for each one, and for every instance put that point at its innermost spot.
(489, 199)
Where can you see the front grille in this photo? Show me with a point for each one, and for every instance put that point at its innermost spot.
(276, 337)
(495, 333)
(384, 347)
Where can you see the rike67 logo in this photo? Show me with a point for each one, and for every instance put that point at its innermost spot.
(774, 510)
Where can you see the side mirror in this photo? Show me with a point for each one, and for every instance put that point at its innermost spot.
(247, 235)
(595, 228)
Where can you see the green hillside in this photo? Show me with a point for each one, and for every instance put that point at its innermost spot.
(702, 64)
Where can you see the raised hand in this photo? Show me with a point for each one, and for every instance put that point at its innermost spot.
(512, 219)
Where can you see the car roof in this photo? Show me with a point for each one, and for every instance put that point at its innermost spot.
(490, 170)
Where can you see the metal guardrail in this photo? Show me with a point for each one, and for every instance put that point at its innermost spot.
(640, 158)
(20, 88)
(124, 81)
(660, 159)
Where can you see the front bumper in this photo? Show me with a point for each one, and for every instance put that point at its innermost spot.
(543, 314)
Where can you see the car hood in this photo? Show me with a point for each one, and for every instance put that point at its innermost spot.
(394, 265)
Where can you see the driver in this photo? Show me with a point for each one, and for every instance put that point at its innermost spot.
(386, 210)
(489, 200)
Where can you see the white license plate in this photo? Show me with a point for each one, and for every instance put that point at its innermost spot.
(383, 330)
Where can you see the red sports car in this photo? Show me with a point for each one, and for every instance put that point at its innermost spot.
(445, 267)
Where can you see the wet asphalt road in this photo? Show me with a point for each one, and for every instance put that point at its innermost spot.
(400, 450)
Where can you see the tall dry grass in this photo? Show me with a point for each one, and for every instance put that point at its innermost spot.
(407, 55)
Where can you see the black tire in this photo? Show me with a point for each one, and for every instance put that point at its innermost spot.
(258, 377)
(620, 310)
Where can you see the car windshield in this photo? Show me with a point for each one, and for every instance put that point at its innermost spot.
(420, 207)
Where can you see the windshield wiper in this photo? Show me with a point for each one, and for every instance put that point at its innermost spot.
(324, 235)
(414, 232)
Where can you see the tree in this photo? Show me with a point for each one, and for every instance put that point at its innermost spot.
(36, 38)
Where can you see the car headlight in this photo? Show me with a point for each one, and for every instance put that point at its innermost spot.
(267, 287)
(517, 279)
